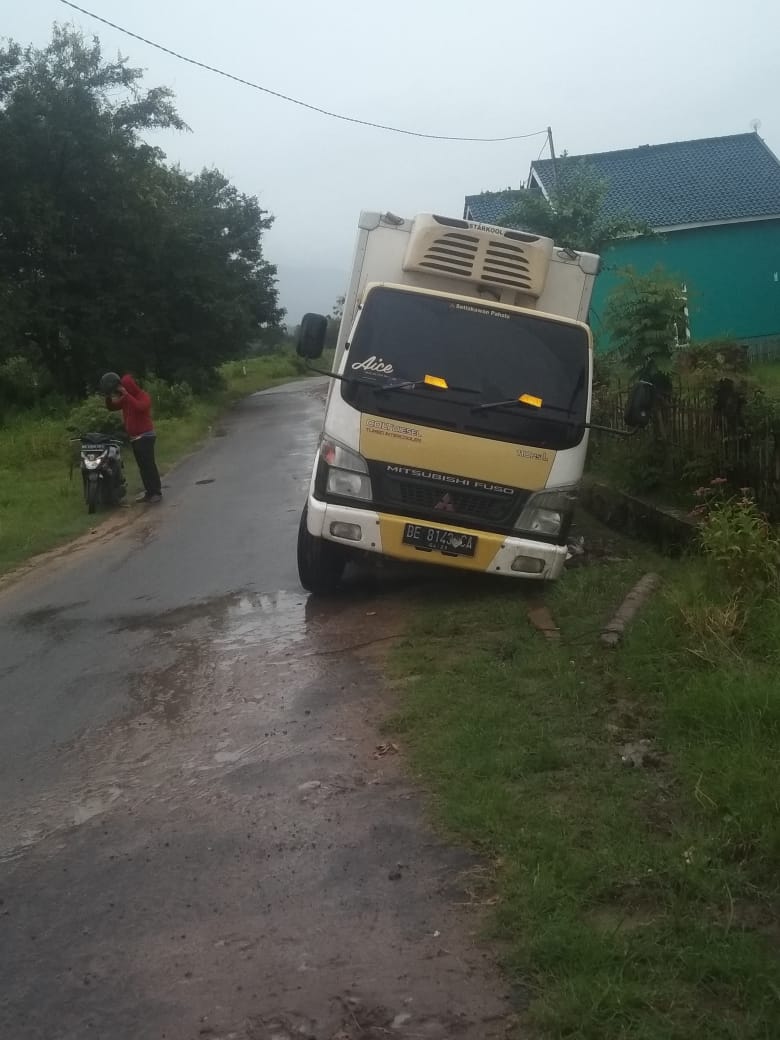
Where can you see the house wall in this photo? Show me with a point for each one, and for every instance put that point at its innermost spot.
(732, 272)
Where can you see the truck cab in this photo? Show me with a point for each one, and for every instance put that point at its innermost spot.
(456, 423)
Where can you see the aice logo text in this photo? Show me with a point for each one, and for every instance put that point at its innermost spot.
(373, 364)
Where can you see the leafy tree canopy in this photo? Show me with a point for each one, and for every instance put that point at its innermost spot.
(110, 258)
(573, 216)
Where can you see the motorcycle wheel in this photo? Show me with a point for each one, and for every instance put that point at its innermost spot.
(114, 486)
(108, 492)
(92, 495)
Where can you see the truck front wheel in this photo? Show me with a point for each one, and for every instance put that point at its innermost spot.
(320, 563)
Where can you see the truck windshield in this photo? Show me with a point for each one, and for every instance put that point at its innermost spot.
(484, 354)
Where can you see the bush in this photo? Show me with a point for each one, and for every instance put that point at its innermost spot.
(93, 416)
(713, 358)
(645, 320)
(22, 383)
(737, 536)
(169, 400)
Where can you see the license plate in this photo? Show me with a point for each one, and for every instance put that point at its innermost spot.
(435, 539)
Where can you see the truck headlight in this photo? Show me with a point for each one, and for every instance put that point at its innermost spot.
(548, 513)
(347, 472)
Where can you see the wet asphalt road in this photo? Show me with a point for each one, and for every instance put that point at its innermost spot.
(198, 837)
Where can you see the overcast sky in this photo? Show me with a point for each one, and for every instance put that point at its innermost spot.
(605, 75)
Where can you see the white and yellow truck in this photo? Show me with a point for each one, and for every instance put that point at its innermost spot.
(456, 424)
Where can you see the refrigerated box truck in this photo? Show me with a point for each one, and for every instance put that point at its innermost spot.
(456, 423)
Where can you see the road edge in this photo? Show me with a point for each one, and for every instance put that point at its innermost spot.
(113, 524)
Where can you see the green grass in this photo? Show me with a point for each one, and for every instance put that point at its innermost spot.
(632, 904)
(42, 507)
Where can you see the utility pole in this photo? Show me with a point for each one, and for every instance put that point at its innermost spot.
(552, 156)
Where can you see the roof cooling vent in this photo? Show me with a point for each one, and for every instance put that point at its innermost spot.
(478, 253)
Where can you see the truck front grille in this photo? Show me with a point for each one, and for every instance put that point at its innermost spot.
(457, 503)
(447, 503)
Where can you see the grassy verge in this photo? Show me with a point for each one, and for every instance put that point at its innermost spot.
(634, 903)
(41, 506)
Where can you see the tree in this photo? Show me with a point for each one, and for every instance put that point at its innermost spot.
(207, 291)
(573, 216)
(110, 258)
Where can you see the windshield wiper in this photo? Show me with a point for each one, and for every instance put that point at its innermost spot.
(408, 384)
(417, 384)
(515, 401)
(550, 419)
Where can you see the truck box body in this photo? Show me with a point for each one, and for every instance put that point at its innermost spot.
(456, 434)
(382, 245)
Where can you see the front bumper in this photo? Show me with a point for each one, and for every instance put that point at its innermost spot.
(382, 533)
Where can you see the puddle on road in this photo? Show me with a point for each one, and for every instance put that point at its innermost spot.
(277, 620)
(95, 805)
(247, 780)
(211, 681)
(213, 687)
(239, 618)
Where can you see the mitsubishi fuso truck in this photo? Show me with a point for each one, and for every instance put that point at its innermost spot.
(457, 415)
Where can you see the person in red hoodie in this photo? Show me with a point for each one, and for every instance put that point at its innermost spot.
(125, 395)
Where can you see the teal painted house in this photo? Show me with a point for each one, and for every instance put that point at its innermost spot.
(714, 205)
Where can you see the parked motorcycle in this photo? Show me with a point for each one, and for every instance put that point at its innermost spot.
(102, 470)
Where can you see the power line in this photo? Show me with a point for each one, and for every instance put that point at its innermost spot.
(292, 100)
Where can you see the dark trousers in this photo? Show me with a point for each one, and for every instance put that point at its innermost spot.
(143, 449)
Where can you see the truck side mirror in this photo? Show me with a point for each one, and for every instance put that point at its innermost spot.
(311, 336)
(639, 407)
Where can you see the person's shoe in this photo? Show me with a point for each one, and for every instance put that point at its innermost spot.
(143, 497)
(153, 499)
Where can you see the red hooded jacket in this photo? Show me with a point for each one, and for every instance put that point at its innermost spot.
(136, 407)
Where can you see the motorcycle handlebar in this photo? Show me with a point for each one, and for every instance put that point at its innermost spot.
(99, 438)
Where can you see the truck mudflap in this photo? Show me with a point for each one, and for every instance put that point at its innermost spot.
(435, 542)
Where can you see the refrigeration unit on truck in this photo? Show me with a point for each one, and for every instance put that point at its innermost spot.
(457, 416)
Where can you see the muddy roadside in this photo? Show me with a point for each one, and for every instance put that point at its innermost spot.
(242, 856)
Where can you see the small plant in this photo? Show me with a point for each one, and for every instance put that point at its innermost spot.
(736, 535)
(762, 413)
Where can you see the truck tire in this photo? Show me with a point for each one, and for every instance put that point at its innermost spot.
(320, 563)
